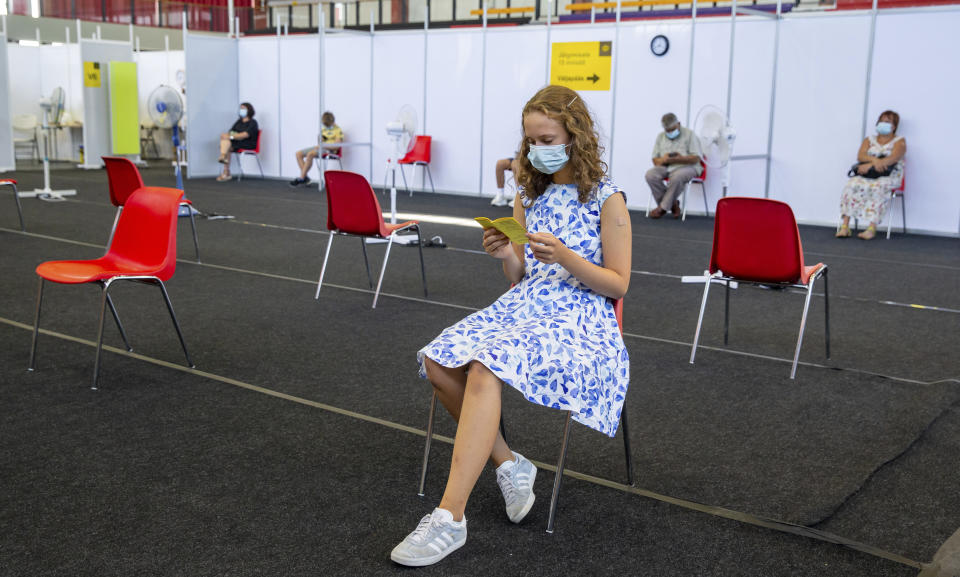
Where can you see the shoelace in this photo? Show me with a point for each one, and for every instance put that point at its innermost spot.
(505, 480)
(423, 529)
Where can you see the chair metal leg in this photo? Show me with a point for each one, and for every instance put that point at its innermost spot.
(803, 325)
(626, 443)
(176, 324)
(116, 317)
(404, 175)
(703, 307)
(703, 190)
(340, 163)
(383, 269)
(36, 328)
(116, 220)
(560, 464)
(193, 226)
(260, 166)
(430, 176)
(16, 197)
(423, 272)
(683, 200)
(903, 212)
(649, 202)
(426, 448)
(893, 198)
(96, 362)
(239, 165)
(726, 314)
(366, 261)
(826, 309)
(323, 269)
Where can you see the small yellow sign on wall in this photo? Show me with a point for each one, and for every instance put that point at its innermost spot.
(581, 65)
(91, 74)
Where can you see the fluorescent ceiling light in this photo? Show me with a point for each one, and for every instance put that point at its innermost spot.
(29, 43)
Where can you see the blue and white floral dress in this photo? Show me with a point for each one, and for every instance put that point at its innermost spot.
(550, 336)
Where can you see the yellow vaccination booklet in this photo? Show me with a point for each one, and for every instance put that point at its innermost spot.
(508, 226)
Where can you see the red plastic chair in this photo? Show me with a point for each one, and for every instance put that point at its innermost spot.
(419, 155)
(695, 180)
(123, 179)
(618, 310)
(16, 196)
(353, 210)
(898, 192)
(241, 152)
(144, 249)
(756, 241)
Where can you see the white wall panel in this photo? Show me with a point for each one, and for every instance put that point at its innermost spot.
(7, 161)
(347, 95)
(600, 102)
(925, 97)
(648, 86)
(259, 84)
(212, 69)
(454, 87)
(300, 99)
(515, 70)
(397, 80)
(25, 93)
(96, 100)
(820, 90)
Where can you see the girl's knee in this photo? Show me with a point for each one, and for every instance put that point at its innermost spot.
(479, 375)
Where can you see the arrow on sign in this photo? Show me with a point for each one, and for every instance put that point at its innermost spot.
(595, 78)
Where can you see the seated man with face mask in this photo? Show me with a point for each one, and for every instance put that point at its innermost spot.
(676, 158)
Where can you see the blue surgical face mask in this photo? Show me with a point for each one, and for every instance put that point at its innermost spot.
(548, 158)
(243, 112)
(884, 128)
(673, 134)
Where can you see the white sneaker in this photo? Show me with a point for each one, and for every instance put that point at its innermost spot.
(510, 204)
(435, 537)
(499, 200)
(516, 483)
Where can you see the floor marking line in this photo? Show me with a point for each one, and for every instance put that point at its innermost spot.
(733, 515)
(474, 309)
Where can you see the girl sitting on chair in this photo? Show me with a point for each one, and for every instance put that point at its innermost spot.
(553, 336)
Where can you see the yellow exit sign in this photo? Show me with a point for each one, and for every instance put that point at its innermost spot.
(581, 65)
(91, 74)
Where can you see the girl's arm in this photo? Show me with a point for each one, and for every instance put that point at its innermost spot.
(862, 155)
(499, 246)
(613, 278)
(899, 150)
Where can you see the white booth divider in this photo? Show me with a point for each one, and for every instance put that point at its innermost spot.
(259, 84)
(347, 93)
(7, 161)
(398, 79)
(212, 86)
(96, 99)
(916, 77)
(469, 85)
(154, 69)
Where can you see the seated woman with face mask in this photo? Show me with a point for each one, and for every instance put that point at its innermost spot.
(242, 136)
(878, 171)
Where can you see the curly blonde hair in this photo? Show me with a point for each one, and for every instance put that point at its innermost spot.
(566, 107)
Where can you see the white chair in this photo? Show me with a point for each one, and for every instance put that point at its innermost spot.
(683, 200)
(27, 126)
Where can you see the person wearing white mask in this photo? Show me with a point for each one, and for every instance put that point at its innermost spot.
(879, 170)
(676, 159)
(553, 336)
(242, 136)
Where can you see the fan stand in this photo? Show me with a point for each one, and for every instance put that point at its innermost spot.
(392, 171)
(46, 191)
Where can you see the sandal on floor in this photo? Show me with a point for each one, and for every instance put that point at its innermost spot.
(844, 232)
(224, 178)
(869, 233)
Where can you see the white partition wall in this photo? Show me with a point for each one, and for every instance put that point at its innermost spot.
(300, 87)
(153, 70)
(7, 161)
(926, 100)
(259, 84)
(515, 70)
(469, 86)
(96, 99)
(454, 90)
(397, 80)
(212, 88)
(347, 93)
(821, 79)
